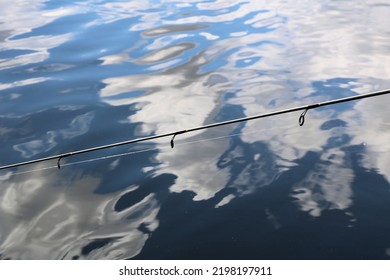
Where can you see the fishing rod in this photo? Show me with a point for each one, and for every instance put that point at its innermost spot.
(306, 108)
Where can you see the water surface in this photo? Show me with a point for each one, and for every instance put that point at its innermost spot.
(78, 74)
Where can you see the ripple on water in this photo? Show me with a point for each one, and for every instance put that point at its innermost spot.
(80, 74)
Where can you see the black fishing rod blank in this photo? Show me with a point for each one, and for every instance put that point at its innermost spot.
(306, 108)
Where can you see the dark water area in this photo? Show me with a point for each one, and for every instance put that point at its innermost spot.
(79, 74)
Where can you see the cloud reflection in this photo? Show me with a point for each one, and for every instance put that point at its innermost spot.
(328, 49)
(266, 47)
(327, 185)
(21, 19)
(369, 125)
(41, 218)
(78, 126)
(187, 64)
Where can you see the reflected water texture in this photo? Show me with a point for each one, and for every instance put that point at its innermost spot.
(79, 74)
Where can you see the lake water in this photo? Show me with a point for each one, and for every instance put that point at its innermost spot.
(79, 74)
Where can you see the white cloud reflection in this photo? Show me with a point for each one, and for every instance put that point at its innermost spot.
(320, 47)
(22, 18)
(370, 126)
(326, 186)
(78, 126)
(41, 217)
(308, 42)
(173, 103)
(269, 60)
